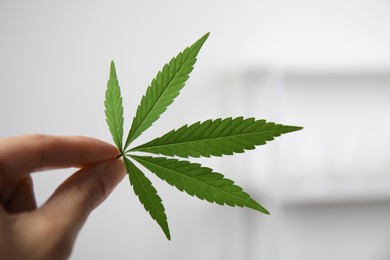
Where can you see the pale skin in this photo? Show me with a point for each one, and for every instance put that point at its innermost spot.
(49, 232)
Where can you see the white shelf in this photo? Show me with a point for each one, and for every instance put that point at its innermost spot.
(346, 190)
(319, 73)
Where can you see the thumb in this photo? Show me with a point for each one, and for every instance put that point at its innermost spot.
(82, 192)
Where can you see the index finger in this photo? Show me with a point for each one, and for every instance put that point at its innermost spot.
(22, 155)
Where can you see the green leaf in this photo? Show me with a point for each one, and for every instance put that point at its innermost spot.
(147, 195)
(164, 89)
(114, 109)
(199, 181)
(216, 137)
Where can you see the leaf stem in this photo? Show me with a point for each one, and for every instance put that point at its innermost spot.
(126, 152)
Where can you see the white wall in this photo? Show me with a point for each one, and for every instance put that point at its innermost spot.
(54, 62)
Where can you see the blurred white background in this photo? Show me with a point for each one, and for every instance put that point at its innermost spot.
(324, 65)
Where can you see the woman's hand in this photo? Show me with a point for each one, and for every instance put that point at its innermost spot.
(48, 232)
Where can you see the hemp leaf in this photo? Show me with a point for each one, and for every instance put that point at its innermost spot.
(202, 139)
(114, 108)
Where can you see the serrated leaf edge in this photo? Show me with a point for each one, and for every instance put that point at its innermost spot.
(246, 202)
(276, 131)
(134, 130)
(114, 108)
(160, 216)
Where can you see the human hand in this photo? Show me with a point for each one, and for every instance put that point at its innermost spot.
(48, 232)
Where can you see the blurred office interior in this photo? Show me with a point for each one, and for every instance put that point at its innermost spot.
(323, 65)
